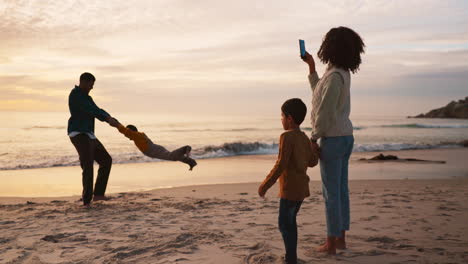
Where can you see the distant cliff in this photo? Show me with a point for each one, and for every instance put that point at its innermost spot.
(452, 110)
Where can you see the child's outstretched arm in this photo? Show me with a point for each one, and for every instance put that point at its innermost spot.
(127, 132)
(285, 150)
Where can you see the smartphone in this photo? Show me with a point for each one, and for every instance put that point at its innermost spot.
(302, 48)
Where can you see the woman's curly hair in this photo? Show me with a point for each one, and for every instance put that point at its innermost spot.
(342, 47)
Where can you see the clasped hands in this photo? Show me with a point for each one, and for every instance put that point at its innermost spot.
(112, 121)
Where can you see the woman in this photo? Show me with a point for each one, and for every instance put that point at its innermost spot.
(341, 50)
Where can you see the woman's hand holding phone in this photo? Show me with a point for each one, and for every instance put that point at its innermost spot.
(310, 61)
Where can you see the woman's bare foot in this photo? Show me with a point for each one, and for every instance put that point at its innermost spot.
(329, 247)
(340, 241)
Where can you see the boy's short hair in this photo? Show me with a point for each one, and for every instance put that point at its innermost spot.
(296, 109)
(132, 127)
(88, 77)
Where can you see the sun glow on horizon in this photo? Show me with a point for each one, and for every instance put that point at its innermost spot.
(157, 55)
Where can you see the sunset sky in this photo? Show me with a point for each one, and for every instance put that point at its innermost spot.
(227, 56)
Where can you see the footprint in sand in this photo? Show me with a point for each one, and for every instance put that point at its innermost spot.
(261, 254)
(4, 240)
(370, 218)
(443, 214)
(58, 202)
(403, 246)
(382, 239)
(426, 228)
(55, 238)
(375, 252)
(446, 208)
(65, 237)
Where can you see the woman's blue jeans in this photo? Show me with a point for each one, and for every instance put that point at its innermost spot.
(334, 161)
(288, 227)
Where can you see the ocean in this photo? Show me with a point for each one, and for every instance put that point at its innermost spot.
(39, 139)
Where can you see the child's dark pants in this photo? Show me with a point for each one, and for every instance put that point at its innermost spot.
(287, 225)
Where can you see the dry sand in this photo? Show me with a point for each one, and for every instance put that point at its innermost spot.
(393, 221)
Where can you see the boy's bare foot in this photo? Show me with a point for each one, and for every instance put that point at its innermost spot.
(100, 198)
(87, 206)
(329, 247)
(191, 162)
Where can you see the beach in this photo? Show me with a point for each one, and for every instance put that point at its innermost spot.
(402, 212)
(107, 106)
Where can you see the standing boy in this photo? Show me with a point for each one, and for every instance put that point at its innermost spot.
(295, 155)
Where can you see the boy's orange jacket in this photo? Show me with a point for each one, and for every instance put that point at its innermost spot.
(140, 139)
(295, 155)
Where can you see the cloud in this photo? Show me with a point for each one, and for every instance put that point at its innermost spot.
(27, 105)
(161, 54)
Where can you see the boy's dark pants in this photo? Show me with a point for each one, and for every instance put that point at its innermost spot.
(287, 225)
(91, 150)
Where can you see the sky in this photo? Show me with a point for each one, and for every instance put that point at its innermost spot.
(227, 57)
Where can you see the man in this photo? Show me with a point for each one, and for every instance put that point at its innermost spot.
(83, 110)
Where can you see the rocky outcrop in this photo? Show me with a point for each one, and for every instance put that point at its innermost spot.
(384, 157)
(452, 110)
(381, 157)
(464, 143)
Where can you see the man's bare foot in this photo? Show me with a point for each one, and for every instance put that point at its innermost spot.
(329, 247)
(87, 206)
(100, 198)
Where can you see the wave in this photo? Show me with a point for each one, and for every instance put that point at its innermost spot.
(214, 130)
(235, 149)
(412, 125)
(416, 125)
(45, 127)
(354, 128)
(400, 146)
(247, 129)
(209, 152)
